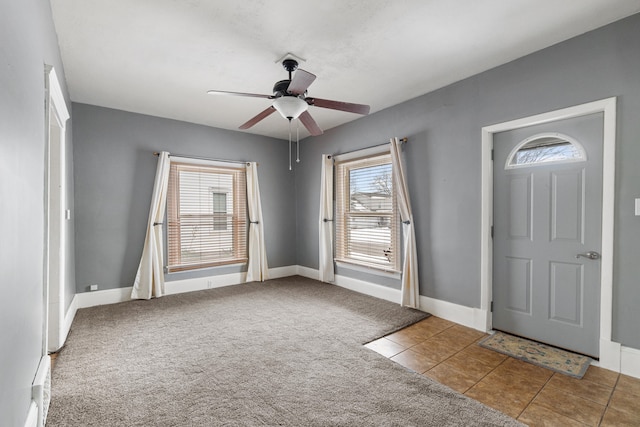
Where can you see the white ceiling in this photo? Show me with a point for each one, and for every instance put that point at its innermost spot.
(159, 57)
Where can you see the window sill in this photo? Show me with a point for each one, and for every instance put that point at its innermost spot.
(369, 270)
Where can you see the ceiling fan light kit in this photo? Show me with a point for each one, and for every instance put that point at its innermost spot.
(290, 107)
(291, 101)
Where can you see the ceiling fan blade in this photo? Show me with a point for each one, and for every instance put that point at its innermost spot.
(310, 124)
(252, 95)
(257, 118)
(300, 82)
(339, 105)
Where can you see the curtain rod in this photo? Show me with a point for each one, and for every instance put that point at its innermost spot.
(155, 153)
(402, 140)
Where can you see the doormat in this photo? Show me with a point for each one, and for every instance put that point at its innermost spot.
(574, 365)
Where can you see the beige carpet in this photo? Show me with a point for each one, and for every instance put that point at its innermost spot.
(285, 352)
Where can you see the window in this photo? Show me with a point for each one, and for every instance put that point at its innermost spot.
(544, 149)
(206, 215)
(367, 231)
(220, 209)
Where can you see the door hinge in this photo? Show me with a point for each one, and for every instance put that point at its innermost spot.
(492, 154)
(491, 308)
(492, 231)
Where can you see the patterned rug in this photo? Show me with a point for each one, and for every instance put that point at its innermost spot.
(574, 365)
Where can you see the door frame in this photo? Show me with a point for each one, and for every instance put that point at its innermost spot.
(55, 227)
(609, 350)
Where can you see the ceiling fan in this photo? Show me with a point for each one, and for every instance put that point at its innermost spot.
(291, 100)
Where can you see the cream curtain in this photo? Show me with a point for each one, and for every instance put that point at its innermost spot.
(149, 280)
(326, 220)
(410, 284)
(257, 269)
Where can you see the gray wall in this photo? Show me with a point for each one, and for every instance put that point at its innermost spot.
(27, 42)
(114, 172)
(443, 159)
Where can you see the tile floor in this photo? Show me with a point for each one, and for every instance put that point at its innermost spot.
(448, 353)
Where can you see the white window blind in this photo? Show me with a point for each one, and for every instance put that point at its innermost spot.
(367, 231)
(206, 216)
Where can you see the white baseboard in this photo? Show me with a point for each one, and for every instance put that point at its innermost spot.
(112, 296)
(104, 297)
(202, 283)
(32, 416)
(467, 316)
(310, 273)
(68, 318)
(615, 357)
(278, 272)
(609, 355)
(378, 291)
(41, 390)
(630, 361)
(211, 282)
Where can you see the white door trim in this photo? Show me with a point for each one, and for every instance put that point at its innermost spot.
(55, 245)
(609, 351)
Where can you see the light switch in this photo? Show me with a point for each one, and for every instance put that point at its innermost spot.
(637, 207)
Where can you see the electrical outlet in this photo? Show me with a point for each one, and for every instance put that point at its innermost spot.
(93, 287)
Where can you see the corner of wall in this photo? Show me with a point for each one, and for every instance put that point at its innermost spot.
(307, 272)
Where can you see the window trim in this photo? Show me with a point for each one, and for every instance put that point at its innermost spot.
(240, 248)
(339, 241)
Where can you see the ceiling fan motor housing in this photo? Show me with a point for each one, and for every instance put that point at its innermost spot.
(280, 88)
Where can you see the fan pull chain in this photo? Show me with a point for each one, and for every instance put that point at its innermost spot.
(298, 141)
(289, 144)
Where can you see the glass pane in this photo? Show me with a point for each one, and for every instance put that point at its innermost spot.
(371, 189)
(545, 150)
(206, 216)
(369, 239)
(205, 231)
(220, 211)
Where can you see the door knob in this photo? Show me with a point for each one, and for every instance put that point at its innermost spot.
(590, 255)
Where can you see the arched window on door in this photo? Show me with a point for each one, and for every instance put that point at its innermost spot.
(544, 149)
